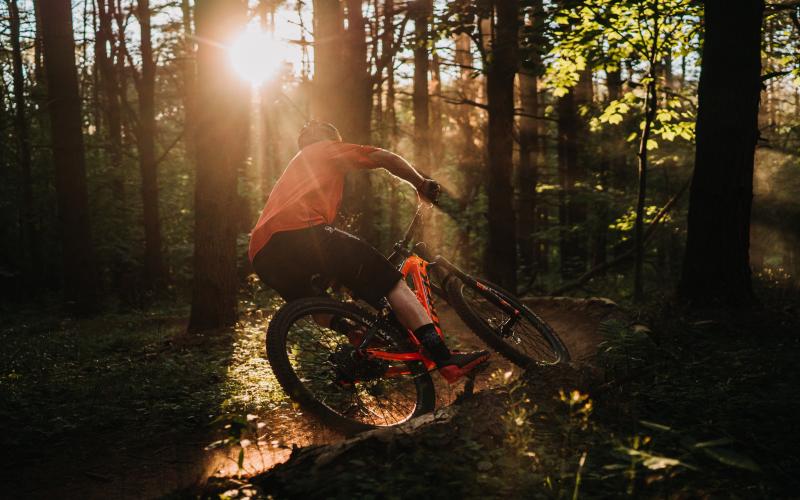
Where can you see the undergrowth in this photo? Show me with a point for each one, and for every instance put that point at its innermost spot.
(676, 404)
(126, 378)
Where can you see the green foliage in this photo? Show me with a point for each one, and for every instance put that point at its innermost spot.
(81, 380)
(638, 36)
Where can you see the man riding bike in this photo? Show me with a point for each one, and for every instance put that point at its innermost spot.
(294, 242)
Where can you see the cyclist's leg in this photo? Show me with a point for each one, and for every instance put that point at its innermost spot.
(366, 272)
(287, 265)
(406, 307)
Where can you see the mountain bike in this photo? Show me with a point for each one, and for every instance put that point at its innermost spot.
(365, 370)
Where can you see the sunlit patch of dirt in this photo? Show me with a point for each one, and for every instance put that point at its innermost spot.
(576, 321)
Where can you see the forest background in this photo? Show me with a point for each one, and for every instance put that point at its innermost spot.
(556, 129)
(586, 147)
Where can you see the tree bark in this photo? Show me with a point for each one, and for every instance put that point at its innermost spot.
(470, 156)
(357, 124)
(221, 142)
(422, 10)
(189, 72)
(328, 92)
(651, 105)
(154, 270)
(611, 163)
(435, 116)
(64, 108)
(28, 232)
(530, 154)
(572, 138)
(105, 50)
(501, 70)
(528, 171)
(716, 267)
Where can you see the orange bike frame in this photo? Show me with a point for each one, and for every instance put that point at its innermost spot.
(417, 269)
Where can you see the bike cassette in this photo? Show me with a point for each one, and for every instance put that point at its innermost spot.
(351, 366)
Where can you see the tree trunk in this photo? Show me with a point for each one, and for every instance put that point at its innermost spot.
(651, 105)
(356, 122)
(501, 70)
(435, 118)
(221, 140)
(530, 154)
(105, 48)
(38, 60)
(422, 10)
(470, 156)
(527, 173)
(64, 107)
(154, 271)
(328, 88)
(28, 232)
(189, 70)
(611, 163)
(390, 117)
(716, 267)
(572, 139)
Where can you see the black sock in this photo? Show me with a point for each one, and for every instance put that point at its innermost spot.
(432, 342)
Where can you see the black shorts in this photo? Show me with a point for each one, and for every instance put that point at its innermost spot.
(294, 263)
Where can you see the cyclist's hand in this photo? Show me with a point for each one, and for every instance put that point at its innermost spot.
(429, 190)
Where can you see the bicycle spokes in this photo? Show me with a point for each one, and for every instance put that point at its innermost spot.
(352, 382)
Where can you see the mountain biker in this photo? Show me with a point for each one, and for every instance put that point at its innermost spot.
(294, 242)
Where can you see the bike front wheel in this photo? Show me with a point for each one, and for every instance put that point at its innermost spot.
(506, 324)
(322, 370)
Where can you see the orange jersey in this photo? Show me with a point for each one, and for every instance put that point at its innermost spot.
(310, 190)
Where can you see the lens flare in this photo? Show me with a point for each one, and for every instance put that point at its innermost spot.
(256, 56)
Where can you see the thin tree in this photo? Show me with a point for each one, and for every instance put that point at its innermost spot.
(188, 71)
(28, 232)
(64, 108)
(421, 12)
(220, 140)
(154, 270)
(530, 154)
(500, 73)
(716, 267)
(327, 92)
(572, 172)
(105, 51)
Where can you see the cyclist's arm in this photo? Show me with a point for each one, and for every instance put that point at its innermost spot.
(397, 166)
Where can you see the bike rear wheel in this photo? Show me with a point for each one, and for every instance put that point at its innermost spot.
(524, 341)
(307, 361)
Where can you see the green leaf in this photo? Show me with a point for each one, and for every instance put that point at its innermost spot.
(715, 442)
(655, 426)
(240, 461)
(732, 458)
(615, 119)
(655, 462)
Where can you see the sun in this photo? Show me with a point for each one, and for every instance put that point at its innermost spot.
(257, 56)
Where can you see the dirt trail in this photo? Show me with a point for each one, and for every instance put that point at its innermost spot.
(166, 463)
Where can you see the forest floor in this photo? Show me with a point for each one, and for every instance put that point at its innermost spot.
(120, 406)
